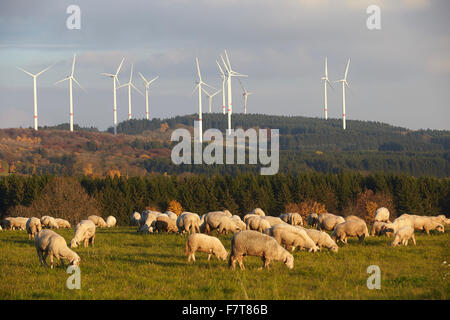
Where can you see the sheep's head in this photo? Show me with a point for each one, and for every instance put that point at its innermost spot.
(289, 261)
(75, 261)
(334, 247)
(223, 255)
(440, 228)
(73, 243)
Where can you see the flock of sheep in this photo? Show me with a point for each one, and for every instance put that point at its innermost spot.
(271, 238)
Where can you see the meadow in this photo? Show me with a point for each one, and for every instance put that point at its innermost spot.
(127, 265)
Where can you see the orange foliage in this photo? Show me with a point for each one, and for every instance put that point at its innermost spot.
(175, 207)
(306, 207)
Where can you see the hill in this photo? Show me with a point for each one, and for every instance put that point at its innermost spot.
(144, 146)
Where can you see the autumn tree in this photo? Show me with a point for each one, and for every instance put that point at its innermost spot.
(175, 207)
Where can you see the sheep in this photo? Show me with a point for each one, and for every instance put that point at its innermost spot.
(258, 212)
(62, 223)
(239, 222)
(353, 218)
(98, 221)
(425, 224)
(148, 225)
(378, 228)
(322, 239)
(382, 214)
(18, 223)
(188, 222)
(221, 222)
(403, 235)
(49, 222)
(253, 243)
(248, 216)
(48, 242)
(312, 220)
(33, 226)
(352, 228)
(171, 215)
(328, 221)
(204, 243)
(441, 219)
(111, 221)
(400, 222)
(273, 220)
(84, 231)
(135, 218)
(292, 218)
(227, 213)
(292, 237)
(257, 223)
(164, 223)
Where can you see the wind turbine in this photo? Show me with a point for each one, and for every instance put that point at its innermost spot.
(35, 92)
(114, 76)
(230, 73)
(71, 78)
(210, 96)
(245, 94)
(147, 85)
(325, 81)
(344, 83)
(129, 84)
(199, 86)
(224, 79)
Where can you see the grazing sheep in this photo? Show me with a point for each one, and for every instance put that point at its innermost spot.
(378, 229)
(273, 220)
(221, 222)
(426, 224)
(292, 218)
(16, 223)
(403, 235)
(354, 218)
(328, 221)
(253, 243)
(291, 237)
(257, 223)
(400, 222)
(241, 224)
(441, 219)
(322, 239)
(62, 223)
(98, 221)
(204, 243)
(33, 226)
(188, 222)
(148, 225)
(48, 242)
(248, 216)
(382, 214)
(164, 223)
(84, 231)
(227, 213)
(312, 220)
(258, 212)
(135, 218)
(352, 228)
(171, 215)
(111, 221)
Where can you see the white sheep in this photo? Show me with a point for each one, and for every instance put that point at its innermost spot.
(98, 221)
(426, 224)
(239, 222)
(442, 219)
(48, 242)
(293, 218)
(15, 223)
(219, 221)
(312, 220)
(382, 214)
(135, 218)
(328, 221)
(322, 239)
(352, 228)
(49, 222)
(400, 222)
(403, 235)
(257, 223)
(84, 231)
(164, 223)
(253, 243)
(148, 225)
(204, 243)
(378, 228)
(33, 226)
(62, 223)
(258, 212)
(188, 222)
(291, 237)
(273, 220)
(248, 216)
(353, 218)
(111, 221)
(171, 215)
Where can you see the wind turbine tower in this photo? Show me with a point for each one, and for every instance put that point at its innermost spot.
(344, 83)
(325, 82)
(130, 84)
(115, 80)
(147, 85)
(245, 94)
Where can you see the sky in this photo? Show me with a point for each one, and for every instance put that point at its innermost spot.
(399, 74)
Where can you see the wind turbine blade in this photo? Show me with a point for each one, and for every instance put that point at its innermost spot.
(134, 87)
(145, 80)
(78, 84)
(39, 73)
(228, 60)
(216, 92)
(209, 86)
(207, 93)
(195, 88)
(120, 66)
(221, 71)
(198, 70)
(131, 73)
(241, 85)
(329, 83)
(62, 80)
(25, 71)
(326, 68)
(73, 64)
(346, 70)
(224, 64)
(117, 79)
(153, 80)
(108, 74)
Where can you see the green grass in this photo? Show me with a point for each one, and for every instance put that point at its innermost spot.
(127, 265)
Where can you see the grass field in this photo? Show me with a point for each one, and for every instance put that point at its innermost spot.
(127, 265)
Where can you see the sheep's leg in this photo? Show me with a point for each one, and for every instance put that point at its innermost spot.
(86, 241)
(427, 231)
(209, 256)
(93, 240)
(45, 258)
(39, 252)
(51, 260)
(413, 239)
(266, 262)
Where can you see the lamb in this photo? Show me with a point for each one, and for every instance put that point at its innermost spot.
(135, 218)
(253, 243)
(292, 237)
(48, 242)
(204, 243)
(188, 222)
(312, 220)
(273, 220)
(322, 239)
(62, 223)
(18, 223)
(221, 222)
(257, 224)
(84, 231)
(329, 221)
(403, 235)
(292, 218)
(382, 214)
(111, 221)
(426, 224)
(98, 221)
(164, 223)
(350, 228)
(33, 226)
(258, 212)
(378, 228)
